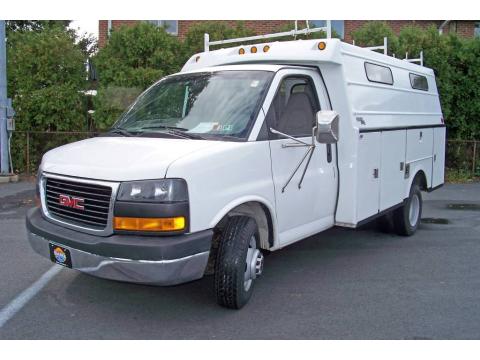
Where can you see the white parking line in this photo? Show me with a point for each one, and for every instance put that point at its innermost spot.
(26, 295)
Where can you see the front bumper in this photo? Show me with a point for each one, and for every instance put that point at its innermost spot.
(149, 260)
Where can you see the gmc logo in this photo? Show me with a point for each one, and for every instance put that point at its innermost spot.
(71, 202)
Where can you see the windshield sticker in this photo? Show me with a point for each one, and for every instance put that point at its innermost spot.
(254, 83)
(223, 127)
(204, 127)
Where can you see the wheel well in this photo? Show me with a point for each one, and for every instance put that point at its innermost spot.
(260, 214)
(256, 210)
(421, 178)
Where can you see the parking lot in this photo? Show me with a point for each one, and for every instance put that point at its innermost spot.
(341, 284)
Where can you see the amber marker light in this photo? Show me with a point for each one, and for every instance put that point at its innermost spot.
(266, 48)
(149, 224)
(253, 49)
(241, 51)
(322, 45)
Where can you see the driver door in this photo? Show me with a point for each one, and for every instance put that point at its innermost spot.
(303, 206)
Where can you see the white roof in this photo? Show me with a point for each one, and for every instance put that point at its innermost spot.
(298, 52)
(262, 67)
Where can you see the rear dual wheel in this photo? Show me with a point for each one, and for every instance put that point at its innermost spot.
(405, 219)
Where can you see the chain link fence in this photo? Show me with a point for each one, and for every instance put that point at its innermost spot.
(28, 147)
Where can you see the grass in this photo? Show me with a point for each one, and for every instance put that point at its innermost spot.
(456, 176)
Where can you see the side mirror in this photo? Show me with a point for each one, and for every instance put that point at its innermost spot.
(327, 127)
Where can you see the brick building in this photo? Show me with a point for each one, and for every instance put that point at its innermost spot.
(344, 28)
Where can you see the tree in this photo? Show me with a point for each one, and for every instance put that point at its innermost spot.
(133, 59)
(137, 56)
(35, 25)
(193, 42)
(46, 65)
(46, 79)
(372, 34)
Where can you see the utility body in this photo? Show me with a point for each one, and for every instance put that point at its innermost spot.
(247, 150)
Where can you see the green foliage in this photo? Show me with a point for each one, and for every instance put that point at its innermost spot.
(372, 34)
(133, 59)
(459, 176)
(137, 56)
(46, 73)
(35, 25)
(111, 102)
(301, 25)
(194, 38)
(455, 60)
(46, 79)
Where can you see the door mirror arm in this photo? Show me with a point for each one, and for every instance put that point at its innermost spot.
(309, 154)
(298, 142)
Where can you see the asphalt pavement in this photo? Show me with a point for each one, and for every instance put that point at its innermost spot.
(340, 284)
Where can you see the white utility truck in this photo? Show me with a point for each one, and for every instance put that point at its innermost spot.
(247, 150)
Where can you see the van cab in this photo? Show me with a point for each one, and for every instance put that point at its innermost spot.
(243, 152)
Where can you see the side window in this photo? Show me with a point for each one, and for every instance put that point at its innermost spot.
(293, 108)
(418, 82)
(378, 73)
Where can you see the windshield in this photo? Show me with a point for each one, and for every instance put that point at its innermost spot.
(214, 104)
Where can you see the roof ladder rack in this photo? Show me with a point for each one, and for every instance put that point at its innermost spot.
(383, 47)
(294, 33)
(419, 59)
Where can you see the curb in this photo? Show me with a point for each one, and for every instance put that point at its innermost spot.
(8, 178)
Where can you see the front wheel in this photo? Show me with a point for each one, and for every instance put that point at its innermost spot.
(407, 218)
(239, 262)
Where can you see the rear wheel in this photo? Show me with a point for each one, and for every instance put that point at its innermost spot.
(407, 218)
(239, 262)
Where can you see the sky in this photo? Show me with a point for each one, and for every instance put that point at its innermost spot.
(85, 26)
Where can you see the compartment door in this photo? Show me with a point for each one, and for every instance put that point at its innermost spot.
(438, 156)
(392, 174)
(368, 180)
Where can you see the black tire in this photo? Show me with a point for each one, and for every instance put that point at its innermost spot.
(230, 262)
(401, 216)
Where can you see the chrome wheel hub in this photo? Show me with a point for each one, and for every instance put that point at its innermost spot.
(414, 210)
(253, 265)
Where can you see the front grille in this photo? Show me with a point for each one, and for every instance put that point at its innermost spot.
(96, 202)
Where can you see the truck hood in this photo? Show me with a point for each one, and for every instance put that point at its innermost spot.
(120, 158)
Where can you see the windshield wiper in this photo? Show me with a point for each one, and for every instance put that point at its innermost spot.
(121, 131)
(166, 127)
(173, 130)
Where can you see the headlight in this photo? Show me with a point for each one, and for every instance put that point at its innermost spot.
(164, 190)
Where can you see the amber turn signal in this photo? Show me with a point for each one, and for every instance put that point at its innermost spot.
(253, 49)
(149, 224)
(322, 45)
